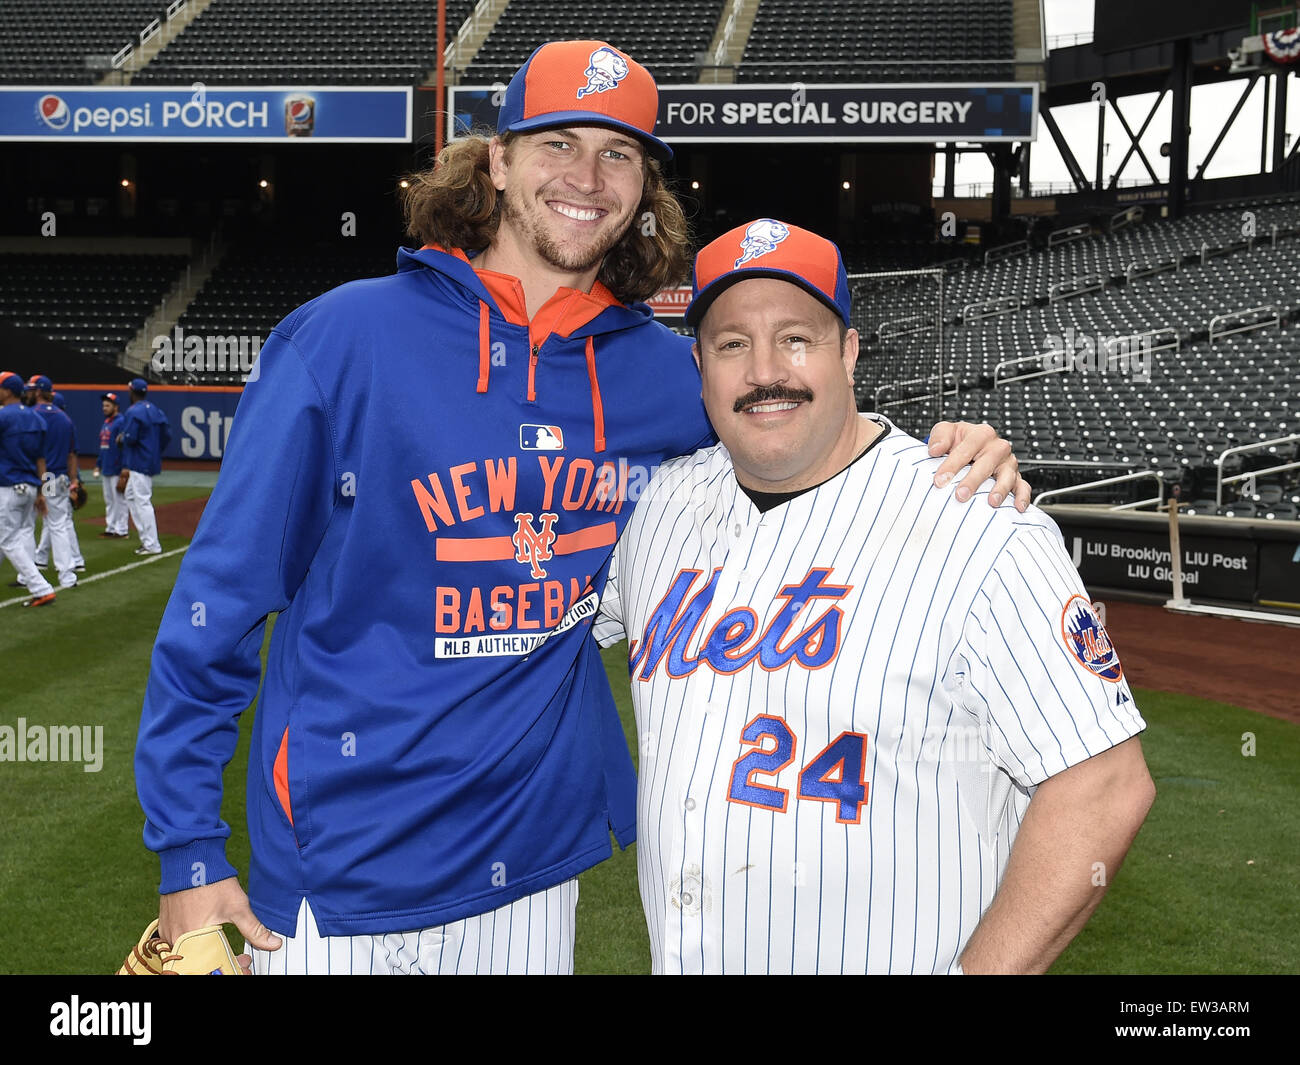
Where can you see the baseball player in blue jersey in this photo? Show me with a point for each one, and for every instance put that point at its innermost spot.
(436, 754)
(880, 731)
(60, 474)
(145, 435)
(47, 397)
(22, 469)
(109, 467)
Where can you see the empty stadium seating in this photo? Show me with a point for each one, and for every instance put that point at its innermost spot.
(257, 284)
(664, 35)
(302, 41)
(1201, 397)
(92, 303)
(887, 40)
(48, 41)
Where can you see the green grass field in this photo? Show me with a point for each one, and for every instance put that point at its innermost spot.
(1209, 886)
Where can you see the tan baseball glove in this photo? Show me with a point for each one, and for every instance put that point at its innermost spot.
(203, 952)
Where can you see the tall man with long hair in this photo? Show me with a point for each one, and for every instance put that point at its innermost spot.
(425, 482)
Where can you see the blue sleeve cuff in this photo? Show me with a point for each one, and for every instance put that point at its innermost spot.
(195, 864)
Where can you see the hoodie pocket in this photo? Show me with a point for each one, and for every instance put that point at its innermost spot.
(289, 779)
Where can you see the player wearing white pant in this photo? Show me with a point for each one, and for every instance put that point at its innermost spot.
(465, 775)
(16, 502)
(530, 936)
(145, 435)
(43, 546)
(115, 509)
(42, 389)
(22, 465)
(58, 526)
(880, 731)
(109, 467)
(60, 472)
(139, 503)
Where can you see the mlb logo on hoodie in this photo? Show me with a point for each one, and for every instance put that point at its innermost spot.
(541, 438)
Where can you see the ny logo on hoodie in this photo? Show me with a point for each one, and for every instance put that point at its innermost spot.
(532, 546)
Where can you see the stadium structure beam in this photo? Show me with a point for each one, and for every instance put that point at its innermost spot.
(1279, 120)
(1071, 163)
(1227, 125)
(1135, 142)
(1263, 133)
(1101, 148)
(440, 94)
(1180, 83)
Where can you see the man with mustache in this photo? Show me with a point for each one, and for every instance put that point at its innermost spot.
(437, 754)
(880, 731)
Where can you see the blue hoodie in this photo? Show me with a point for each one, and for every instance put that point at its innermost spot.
(22, 442)
(145, 436)
(430, 499)
(110, 451)
(60, 438)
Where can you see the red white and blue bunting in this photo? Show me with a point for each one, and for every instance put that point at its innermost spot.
(1283, 46)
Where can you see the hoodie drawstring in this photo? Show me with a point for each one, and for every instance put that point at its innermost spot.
(597, 407)
(485, 363)
(484, 346)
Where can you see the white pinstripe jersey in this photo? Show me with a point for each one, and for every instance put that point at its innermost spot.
(844, 705)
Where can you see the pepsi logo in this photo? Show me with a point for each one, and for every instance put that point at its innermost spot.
(300, 110)
(54, 111)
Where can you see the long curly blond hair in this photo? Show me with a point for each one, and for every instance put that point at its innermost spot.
(454, 204)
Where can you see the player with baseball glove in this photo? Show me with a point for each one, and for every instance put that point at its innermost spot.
(437, 754)
(203, 952)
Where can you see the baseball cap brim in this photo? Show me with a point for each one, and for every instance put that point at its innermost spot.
(559, 119)
(700, 305)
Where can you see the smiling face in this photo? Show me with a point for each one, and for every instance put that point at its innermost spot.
(568, 195)
(778, 384)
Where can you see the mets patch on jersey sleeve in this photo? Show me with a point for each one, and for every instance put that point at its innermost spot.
(1087, 640)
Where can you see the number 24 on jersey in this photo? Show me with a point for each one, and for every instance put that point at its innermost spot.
(835, 775)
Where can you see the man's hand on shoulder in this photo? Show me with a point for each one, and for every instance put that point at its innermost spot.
(987, 455)
(214, 904)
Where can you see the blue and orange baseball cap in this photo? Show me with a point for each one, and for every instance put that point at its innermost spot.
(11, 382)
(768, 248)
(138, 384)
(591, 83)
(110, 396)
(40, 382)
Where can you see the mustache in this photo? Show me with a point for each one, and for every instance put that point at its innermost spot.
(772, 394)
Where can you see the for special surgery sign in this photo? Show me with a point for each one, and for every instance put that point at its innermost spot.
(843, 113)
(199, 113)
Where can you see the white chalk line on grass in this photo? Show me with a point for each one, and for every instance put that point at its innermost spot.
(107, 573)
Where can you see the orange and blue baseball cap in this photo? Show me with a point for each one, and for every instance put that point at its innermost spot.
(11, 382)
(588, 83)
(768, 248)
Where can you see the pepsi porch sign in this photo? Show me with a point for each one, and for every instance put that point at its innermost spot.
(198, 113)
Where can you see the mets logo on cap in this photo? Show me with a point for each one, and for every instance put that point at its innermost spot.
(760, 238)
(54, 111)
(1087, 640)
(605, 69)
